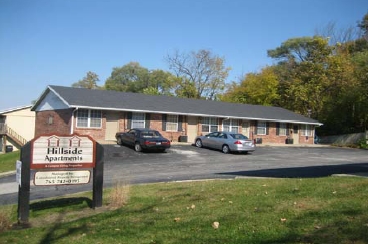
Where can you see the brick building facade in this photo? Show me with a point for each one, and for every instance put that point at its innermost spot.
(65, 110)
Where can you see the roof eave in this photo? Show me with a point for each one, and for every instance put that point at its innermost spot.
(195, 114)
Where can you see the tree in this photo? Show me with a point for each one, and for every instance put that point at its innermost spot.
(161, 81)
(363, 25)
(132, 77)
(335, 35)
(129, 78)
(302, 49)
(202, 70)
(302, 73)
(256, 88)
(89, 81)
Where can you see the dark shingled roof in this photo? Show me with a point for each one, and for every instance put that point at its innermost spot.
(125, 101)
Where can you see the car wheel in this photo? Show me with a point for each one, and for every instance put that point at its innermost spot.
(119, 141)
(225, 149)
(137, 147)
(198, 143)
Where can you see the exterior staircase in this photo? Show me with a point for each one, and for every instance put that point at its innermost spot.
(14, 136)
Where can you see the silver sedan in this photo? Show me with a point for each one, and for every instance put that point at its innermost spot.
(226, 142)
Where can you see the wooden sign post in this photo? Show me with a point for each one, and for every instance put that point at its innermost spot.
(60, 160)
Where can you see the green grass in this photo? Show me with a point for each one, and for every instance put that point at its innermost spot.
(7, 161)
(321, 210)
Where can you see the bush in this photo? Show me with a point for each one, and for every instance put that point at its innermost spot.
(363, 144)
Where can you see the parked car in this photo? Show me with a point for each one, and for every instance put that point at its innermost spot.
(143, 139)
(226, 142)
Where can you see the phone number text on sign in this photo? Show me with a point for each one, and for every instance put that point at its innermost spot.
(48, 178)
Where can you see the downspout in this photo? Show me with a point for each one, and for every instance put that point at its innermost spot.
(73, 114)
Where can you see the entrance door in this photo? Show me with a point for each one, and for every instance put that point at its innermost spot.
(192, 128)
(245, 128)
(296, 134)
(112, 126)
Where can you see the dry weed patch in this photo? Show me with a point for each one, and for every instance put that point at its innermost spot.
(119, 194)
(5, 219)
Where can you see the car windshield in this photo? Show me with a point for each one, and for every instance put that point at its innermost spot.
(150, 134)
(239, 136)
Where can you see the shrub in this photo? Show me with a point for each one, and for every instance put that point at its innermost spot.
(363, 144)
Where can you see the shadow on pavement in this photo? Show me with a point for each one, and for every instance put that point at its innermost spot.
(305, 172)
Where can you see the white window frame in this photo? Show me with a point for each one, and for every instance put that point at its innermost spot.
(307, 130)
(209, 124)
(230, 125)
(172, 122)
(262, 128)
(282, 129)
(138, 120)
(88, 118)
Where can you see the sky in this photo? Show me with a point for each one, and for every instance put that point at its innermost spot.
(56, 42)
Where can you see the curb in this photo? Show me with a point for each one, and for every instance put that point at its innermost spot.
(7, 173)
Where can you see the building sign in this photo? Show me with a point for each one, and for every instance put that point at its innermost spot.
(58, 152)
(49, 178)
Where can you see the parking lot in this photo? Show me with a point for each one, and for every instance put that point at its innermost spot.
(186, 162)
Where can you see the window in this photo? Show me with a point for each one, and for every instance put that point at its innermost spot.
(209, 124)
(261, 128)
(138, 120)
(172, 123)
(89, 118)
(231, 125)
(307, 130)
(282, 129)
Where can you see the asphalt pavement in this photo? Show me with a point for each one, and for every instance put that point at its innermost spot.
(184, 162)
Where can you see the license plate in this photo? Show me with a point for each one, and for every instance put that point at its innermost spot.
(158, 143)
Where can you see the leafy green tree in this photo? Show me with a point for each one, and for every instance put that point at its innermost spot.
(360, 60)
(363, 25)
(129, 78)
(185, 88)
(162, 81)
(132, 77)
(256, 88)
(89, 81)
(302, 73)
(341, 99)
(202, 69)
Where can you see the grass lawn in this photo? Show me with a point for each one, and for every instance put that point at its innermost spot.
(7, 161)
(320, 210)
